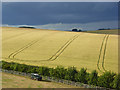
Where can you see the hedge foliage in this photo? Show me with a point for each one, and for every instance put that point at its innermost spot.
(107, 79)
(93, 78)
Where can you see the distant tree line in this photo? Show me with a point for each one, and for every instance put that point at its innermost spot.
(77, 30)
(27, 27)
(107, 79)
(104, 29)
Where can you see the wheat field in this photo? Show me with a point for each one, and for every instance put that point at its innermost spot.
(60, 48)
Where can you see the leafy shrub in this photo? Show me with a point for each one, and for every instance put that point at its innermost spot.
(51, 72)
(43, 71)
(14, 66)
(33, 69)
(70, 73)
(81, 76)
(106, 79)
(116, 82)
(22, 68)
(6, 65)
(60, 72)
(30, 69)
(93, 78)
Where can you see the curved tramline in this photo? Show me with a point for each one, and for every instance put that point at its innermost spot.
(100, 53)
(53, 57)
(60, 51)
(13, 54)
(105, 53)
(103, 48)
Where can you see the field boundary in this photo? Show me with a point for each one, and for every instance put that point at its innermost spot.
(53, 79)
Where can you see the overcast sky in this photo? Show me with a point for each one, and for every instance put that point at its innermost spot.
(46, 13)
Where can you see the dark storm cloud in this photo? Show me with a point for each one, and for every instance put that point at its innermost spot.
(44, 13)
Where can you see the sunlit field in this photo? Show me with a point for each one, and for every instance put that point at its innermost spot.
(15, 81)
(114, 31)
(60, 48)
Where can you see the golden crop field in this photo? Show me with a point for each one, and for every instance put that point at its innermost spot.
(60, 48)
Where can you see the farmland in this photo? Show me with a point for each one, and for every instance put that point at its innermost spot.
(60, 48)
(15, 81)
(112, 31)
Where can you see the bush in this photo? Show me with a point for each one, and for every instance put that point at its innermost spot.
(70, 73)
(33, 69)
(106, 80)
(14, 66)
(116, 82)
(60, 72)
(81, 76)
(6, 65)
(22, 68)
(51, 72)
(93, 78)
(43, 71)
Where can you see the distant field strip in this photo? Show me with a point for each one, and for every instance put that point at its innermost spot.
(115, 31)
(103, 48)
